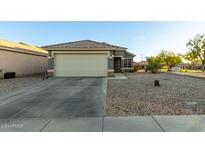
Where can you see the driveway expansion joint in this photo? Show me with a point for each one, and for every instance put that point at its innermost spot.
(158, 123)
(46, 124)
(103, 123)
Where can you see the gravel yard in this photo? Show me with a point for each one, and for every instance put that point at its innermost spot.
(138, 96)
(19, 82)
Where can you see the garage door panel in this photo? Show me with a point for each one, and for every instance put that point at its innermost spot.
(81, 65)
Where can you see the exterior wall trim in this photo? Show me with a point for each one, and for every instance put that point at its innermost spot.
(80, 52)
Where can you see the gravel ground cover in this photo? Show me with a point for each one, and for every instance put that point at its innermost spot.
(138, 96)
(7, 85)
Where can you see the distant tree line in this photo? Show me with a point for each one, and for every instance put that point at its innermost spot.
(196, 53)
(164, 58)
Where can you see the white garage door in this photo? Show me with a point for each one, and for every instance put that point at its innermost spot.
(80, 65)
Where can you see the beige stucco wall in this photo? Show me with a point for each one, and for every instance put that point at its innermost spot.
(22, 64)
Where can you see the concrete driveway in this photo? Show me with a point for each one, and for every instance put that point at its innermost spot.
(78, 105)
(55, 98)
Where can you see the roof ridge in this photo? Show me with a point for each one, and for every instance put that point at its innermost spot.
(114, 45)
(87, 40)
(105, 43)
(66, 43)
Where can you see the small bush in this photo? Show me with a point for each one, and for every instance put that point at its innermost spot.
(154, 67)
(136, 68)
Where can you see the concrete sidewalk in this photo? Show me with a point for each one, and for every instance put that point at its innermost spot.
(179, 123)
(118, 76)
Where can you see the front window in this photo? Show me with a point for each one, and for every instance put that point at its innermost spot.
(127, 62)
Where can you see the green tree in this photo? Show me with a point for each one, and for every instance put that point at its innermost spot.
(197, 47)
(152, 59)
(169, 58)
(191, 57)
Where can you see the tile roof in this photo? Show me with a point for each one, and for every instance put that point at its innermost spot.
(21, 46)
(129, 53)
(84, 44)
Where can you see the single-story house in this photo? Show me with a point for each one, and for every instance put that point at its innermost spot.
(22, 58)
(88, 58)
(141, 64)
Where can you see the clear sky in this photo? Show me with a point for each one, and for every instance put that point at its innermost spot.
(141, 38)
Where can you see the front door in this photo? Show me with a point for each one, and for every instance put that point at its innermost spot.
(117, 64)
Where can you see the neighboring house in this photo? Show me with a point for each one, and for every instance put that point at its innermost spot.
(195, 65)
(88, 58)
(142, 64)
(21, 58)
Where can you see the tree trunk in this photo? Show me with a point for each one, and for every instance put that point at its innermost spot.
(192, 65)
(203, 66)
(168, 65)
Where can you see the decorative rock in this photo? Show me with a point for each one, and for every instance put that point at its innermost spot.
(191, 103)
(156, 83)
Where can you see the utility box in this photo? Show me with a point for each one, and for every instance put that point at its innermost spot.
(9, 75)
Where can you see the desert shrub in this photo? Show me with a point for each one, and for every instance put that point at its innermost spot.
(153, 67)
